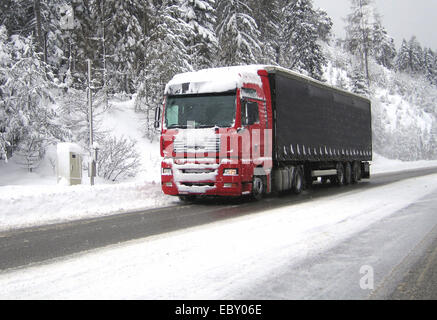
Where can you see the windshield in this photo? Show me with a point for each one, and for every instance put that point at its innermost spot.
(206, 111)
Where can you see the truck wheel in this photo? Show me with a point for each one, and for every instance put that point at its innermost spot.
(339, 178)
(356, 172)
(298, 181)
(257, 188)
(347, 173)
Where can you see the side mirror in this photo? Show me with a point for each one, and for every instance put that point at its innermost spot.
(157, 122)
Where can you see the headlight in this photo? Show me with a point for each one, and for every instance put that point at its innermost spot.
(230, 172)
(166, 172)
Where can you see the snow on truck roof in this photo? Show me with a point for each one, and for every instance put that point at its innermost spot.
(213, 80)
(226, 79)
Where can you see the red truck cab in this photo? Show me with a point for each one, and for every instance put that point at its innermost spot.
(216, 133)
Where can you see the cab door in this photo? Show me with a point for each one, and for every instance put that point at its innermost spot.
(252, 122)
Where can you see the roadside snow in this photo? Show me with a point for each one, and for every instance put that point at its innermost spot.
(216, 261)
(384, 165)
(35, 204)
(25, 206)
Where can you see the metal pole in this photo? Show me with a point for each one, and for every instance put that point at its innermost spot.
(90, 111)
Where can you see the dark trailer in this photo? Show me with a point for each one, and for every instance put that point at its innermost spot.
(314, 122)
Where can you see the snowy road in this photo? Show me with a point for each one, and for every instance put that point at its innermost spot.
(309, 247)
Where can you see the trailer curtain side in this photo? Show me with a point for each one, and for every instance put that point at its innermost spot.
(315, 122)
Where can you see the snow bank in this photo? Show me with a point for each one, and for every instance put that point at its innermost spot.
(33, 205)
(24, 206)
(381, 165)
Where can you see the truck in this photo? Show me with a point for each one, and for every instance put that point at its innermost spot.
(259, 129)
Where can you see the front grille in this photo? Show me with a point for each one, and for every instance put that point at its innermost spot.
(209, 144)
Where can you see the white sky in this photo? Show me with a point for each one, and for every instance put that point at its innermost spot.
(401, 18)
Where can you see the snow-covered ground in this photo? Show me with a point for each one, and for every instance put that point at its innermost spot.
(35, 203)
(224, 259)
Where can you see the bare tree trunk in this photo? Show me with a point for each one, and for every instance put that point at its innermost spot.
(365, 46)
(39, 32)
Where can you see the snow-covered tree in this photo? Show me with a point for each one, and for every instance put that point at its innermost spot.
(359, 84)
(362, 23)
(300, 48)
(383, 47)
(17, 16)
(430, 65)
(238, 33)
(324, 24)
(27, 120)
(267, 14)
(410, 56)
(166, 56)
(202, 45)
(121, 33)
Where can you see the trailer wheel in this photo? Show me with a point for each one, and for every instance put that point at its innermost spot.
(356, 172)
(257, 188)
(298, 181)
(339, 178)
(347, 173)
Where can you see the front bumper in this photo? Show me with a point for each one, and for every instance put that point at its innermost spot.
(202, 177)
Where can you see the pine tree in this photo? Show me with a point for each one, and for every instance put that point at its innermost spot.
(238, 33)
(324, 24)
(27, 118)
(383, 47)
(267, 14)
(122, 35)
(300, 48)
(83, 43)
(402, 58)
(429, 65)
(410, 57)
(166, 56)
(415, 55)
(203, 44)
(359, 31)
(359, 84)
(17, 16)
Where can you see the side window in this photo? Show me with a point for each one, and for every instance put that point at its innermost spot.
(249, 113)
(172, 115)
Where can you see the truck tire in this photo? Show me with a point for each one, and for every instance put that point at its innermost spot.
(356, 172)
(347, 173)
(339, 178)
(298, 181)
(257, 188)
